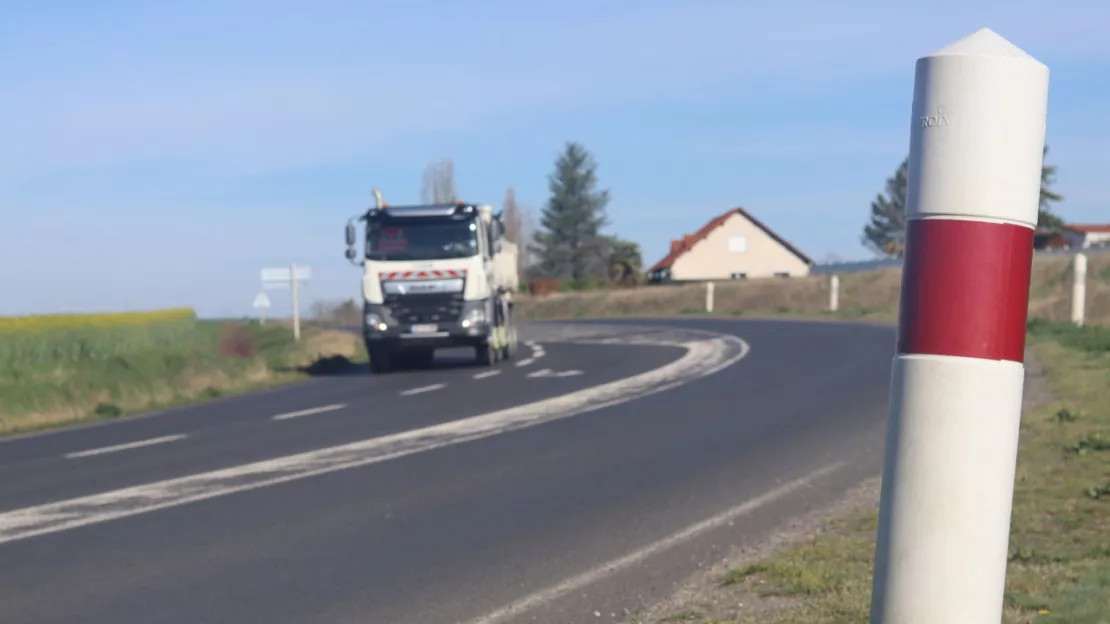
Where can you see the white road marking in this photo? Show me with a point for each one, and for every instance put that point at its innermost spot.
(422, 389)
(124, 447)
(568, 373)
(487, 374)
(525, 362)
(309, 412)
(531, 344)
(706, 354)
(543, 372)
(608, 568)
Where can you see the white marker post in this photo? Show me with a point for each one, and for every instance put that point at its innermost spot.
(296, 302)
(979, 114)
(261, 303)
(834, 293)
(1079, 289)
(709, 297)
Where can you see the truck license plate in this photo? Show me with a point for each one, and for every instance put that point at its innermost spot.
(427, 328)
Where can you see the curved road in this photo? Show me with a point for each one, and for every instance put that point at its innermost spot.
(583, 479)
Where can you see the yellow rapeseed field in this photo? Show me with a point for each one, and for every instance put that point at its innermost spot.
(73, 321)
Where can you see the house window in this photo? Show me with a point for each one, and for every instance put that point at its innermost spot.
(739, 275)
(782, 274)
(738, 244)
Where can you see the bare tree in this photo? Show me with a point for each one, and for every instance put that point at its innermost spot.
(511, 212)
(438, 186)
(519, 225)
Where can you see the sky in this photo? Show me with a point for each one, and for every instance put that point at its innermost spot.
(158, 154)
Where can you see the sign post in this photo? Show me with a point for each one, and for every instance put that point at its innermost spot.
(289, 278)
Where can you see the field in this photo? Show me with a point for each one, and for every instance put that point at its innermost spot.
(868, 295)
(66, 368)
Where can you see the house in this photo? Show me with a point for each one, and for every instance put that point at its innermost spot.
(1083, 236)
(734, 245)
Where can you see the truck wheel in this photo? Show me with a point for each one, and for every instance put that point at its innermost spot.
(381, 360)
(486, 354)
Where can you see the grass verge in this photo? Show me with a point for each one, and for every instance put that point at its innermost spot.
(1059, 567)
(868, 295)
(61, 370)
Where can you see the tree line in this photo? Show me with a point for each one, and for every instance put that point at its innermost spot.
(569, 241)
(883, 231)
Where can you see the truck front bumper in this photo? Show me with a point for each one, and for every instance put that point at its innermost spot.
(440, 335)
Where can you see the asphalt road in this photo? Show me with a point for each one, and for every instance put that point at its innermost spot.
(434, 496)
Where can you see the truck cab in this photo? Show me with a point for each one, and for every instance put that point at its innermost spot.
(434, 276)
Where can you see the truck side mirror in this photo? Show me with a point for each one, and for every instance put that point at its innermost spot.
(351, 254)
(350, 235)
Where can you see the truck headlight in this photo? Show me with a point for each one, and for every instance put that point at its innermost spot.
(375, 320)
(474, 312)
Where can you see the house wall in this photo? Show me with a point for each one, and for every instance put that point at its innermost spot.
(762, 256)
(1086, 239)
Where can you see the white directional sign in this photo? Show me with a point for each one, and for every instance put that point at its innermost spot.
(282, 275)
(261, 301)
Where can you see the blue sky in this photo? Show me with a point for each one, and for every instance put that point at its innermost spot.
(161, 153)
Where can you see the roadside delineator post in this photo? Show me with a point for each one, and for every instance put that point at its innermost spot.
(1079, 289)
(709, 297)
(834, 293)
(978, 129)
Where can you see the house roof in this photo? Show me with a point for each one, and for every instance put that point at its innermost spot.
(1088, 228)
(687, 242)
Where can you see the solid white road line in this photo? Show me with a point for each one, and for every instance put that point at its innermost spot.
(422, 389)
(525, 362)
(609, 568)
(487, 374)
(309, 412)
(124, 447)
(705, 355)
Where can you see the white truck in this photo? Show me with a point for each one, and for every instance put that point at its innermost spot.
(434, 276)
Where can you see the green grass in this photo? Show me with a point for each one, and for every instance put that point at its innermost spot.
(51, 376)
(1059, 566)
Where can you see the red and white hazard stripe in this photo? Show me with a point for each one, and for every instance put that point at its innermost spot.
(422, 275)
(979, 115)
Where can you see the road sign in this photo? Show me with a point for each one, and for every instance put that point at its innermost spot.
(282, 275)
(261, 301)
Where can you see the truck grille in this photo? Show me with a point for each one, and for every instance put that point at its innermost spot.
(412, 309)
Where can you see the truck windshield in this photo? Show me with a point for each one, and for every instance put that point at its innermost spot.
(418, 238)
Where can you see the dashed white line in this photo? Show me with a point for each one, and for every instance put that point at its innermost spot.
(422, 389)
(309, 412)
(487, 374)
(525, 362)
(568, 373)
(543, 372)
(124, 447)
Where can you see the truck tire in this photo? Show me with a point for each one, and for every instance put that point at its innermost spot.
(381, 360)
(486, 354)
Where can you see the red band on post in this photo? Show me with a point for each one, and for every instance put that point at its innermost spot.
(965, 289)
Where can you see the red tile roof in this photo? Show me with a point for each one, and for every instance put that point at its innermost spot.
(679, 247)
(1088, 229)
